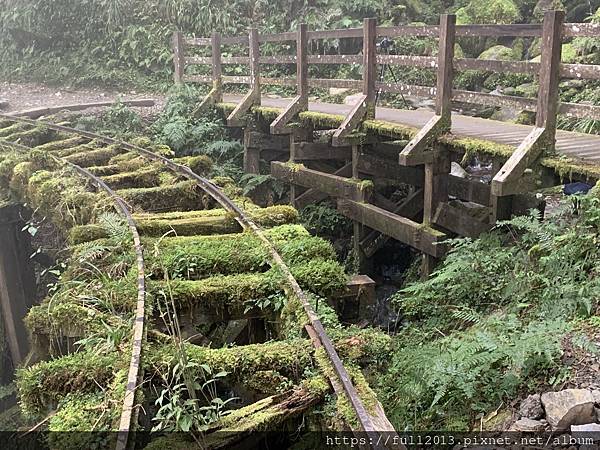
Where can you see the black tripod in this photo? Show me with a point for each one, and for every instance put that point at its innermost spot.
(386, 45)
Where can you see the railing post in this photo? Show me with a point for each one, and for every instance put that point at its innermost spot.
(547, 105)
(216, 68)
(254, 53)
(178, 56)
(302, 62)
(445, 72)
(369, 64)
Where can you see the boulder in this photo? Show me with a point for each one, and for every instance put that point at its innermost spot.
(531, 407)
(568, 407)
(498, 53)
(457, 171)
(529, 425)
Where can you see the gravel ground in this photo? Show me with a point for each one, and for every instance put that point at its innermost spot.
(31, 95)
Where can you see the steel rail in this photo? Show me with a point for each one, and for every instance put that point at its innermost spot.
(133, 375)
(321, 338)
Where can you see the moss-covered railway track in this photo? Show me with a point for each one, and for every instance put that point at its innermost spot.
(215, 253)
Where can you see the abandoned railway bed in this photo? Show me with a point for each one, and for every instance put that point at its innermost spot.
(204, 256)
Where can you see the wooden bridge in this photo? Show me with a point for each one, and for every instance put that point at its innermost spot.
(368, 141)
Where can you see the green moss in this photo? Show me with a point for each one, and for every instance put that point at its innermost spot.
(267, 114)
(32, 137)
(321, 120)
(138, 179)
(44, 384)
(200, 165)
(389, 129)
(62, 144)
(14, 128)
(226, 107)
(183, 195)
(94, 157)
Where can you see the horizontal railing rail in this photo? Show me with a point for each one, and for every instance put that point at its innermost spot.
(372, 58)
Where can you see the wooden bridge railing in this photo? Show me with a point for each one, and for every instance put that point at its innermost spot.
(509, 180)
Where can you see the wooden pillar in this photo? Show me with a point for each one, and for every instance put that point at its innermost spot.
(547, 104)
(435, 189)
(370, 64)
(254, 54)
(302, 63)
(178, 56)
(251, 154)
(217, 74)
(17, 281)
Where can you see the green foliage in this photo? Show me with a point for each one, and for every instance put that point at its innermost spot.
(118, 120)
(447, 383)
(488, 11)
(323, 220)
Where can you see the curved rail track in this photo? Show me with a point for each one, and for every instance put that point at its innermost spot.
(341, 382)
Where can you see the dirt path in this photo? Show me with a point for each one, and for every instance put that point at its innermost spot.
(31, 95)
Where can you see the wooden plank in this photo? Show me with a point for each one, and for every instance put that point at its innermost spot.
(482, 98)
(278, 81)
(333, 82)
(409, 30)
(278, 37)
(496, 66)
(198, 60)
(312, 196)
(421, 149)
(198, 42)
(332, 185)
(381, 167)
(233, 40)
(235, 60)
(429, 62)
(336, 34)
(547, 106)
(506, 181)
(237, 79)
(307, 151)
(335, 59)
(410, 207)
(178, 57)
(581, 30)
(217, 71)
(264, 141)
(400, 228)
(514, 30)
(579, 110)
(279, 59)
(198, 79)
(408, 89)
(459, 221)
(351, 121)
(580, 71)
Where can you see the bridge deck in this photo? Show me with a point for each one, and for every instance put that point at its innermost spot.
(584, 147)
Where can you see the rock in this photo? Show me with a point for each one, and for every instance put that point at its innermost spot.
(353, 99)
(528, 425)
(589, 430)
(3, 103)
(596, 397)
(568, 407)
(531, 407)
(338, 91)
(498, 53)
(457, 171)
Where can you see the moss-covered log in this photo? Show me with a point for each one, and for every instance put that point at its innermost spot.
(137, 179)
(43, 385)
(95, 157)
(182, 196)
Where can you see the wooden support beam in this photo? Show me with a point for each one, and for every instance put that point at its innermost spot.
(365, 107)
(252, 98)
(312, 196)
(332, 185)
(419, 150)
(300, 102)
(264, 141)
(547, 106)
(410, 207)
(251, 155)
(459, 221)
(307, 151)
(216, 93)
(414, 234)
(178, 57)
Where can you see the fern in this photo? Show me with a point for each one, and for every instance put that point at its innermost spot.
(115, 226)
